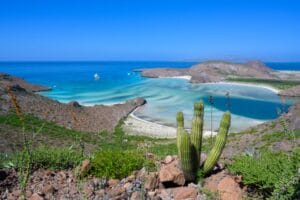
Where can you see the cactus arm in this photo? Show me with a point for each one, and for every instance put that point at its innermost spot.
(197, 130)
(180, 128)
(216, 151)
(180, 119)
(186, 157)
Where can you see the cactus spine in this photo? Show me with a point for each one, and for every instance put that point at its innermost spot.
(219, 144)
(186, 158)
(197, 128)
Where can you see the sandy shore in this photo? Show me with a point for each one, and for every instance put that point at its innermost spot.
(179, 77)
(137, 126)
(268, 87)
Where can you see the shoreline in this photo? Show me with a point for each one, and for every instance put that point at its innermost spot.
(268, 87)
(134, 125)
(187, 77)
(265, 86)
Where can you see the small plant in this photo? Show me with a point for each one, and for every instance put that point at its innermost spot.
(189, 145)
(271, 173)
(116, 163)
(50, 158)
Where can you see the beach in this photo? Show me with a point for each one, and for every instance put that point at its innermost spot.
(137, 126)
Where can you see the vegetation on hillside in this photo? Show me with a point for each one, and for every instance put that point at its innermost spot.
(279, 84)
(271, 174)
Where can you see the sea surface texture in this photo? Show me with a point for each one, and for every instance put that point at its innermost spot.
(250, 105)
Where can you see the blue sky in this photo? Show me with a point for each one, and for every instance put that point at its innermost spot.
(150, 30)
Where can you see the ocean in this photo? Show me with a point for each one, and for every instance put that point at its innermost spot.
(165, 96)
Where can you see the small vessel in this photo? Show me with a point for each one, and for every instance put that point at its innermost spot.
(96, 76)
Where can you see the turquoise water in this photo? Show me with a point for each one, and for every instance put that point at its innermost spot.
(118, 83)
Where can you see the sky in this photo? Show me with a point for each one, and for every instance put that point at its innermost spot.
(170, 30)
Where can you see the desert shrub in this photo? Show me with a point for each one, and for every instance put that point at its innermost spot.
(116, 163)
(50, 158)
(267, 171)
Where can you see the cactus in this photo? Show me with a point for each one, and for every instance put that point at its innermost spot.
(219, 144)
(180, 119)
(197, 128)
(189, 145)
(180, 128)
(186, 157)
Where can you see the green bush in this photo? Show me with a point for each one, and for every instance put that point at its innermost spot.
(267, 170)
(50, 158)
(116, 163)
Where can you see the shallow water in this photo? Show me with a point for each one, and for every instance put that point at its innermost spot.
(118, 83)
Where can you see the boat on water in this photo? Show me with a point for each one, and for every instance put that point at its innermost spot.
(96, 76)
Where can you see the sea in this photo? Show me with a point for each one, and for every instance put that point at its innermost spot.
(118, 83)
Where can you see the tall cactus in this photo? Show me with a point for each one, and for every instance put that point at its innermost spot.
(219, 143)
(189, 145)
(180, 128)
(186, 157)
(197, 129)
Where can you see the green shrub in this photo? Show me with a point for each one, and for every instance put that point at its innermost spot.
(267, 170)
(116, 163)
(50, 158)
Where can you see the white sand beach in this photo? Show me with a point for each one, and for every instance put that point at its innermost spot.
(137, 126)
(268, 87)
(179, 77)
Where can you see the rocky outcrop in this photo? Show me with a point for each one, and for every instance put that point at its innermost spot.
(18, 83)
(213, 71)
(47, 184)
(291, 92)
(254, 138)
(225, 185)
(73, 115)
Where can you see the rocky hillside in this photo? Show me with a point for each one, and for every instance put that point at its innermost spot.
(291, 92)
(282, 133)
(214, 71)
(72, 115)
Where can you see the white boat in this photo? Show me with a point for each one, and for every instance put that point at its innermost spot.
(96, 76)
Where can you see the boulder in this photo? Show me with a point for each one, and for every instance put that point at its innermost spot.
(137, 195)
(224, 185)
(171, 173)
(185, 193)
(152, 181)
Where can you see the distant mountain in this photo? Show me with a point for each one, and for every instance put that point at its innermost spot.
(214, 71)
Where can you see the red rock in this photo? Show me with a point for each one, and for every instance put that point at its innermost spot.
(116, 191)
(35, 196)
(131, 178)
(88, 191)
(113, 182)
(165, 193)
(136, 196)
(225, 185)
(48, 189)
(151, 181)
(229, 189)
(185, 193)
(127, 185)
(171, 173)
(100, 193)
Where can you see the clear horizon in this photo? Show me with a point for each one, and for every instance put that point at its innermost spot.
(183, 31)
